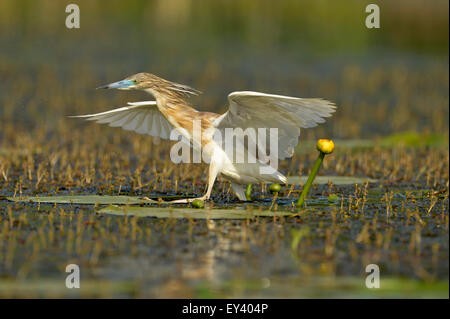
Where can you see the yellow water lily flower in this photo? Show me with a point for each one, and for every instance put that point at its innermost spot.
(325, 146)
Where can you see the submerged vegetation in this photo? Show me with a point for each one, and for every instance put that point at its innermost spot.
(71, 192)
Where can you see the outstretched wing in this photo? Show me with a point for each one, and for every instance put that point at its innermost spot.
(141, 117)
(287, 114)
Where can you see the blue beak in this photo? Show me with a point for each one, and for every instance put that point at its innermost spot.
(117, 85)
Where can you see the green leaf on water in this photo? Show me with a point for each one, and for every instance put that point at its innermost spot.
(336, 180)
(332, 198)
(414, 139)
(198, 203)
(84, 199)
(407, 139)
(169, 212)
(52, 288)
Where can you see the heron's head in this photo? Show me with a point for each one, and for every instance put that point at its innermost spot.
(153, 85)
(139, 81)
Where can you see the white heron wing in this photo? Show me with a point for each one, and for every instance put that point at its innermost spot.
(288, 114)
(142, 117)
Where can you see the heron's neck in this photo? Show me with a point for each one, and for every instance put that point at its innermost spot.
(176, 110)
(181, 115)
(167, 102)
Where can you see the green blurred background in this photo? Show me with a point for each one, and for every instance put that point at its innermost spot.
(386, 80)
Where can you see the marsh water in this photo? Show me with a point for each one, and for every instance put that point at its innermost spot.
(263, 248)
(71, 192)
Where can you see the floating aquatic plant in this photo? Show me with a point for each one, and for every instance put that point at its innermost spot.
(324, 147)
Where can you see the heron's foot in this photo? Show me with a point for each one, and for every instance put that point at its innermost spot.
(189, 200)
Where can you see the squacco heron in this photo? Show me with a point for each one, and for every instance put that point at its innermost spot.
(171, 111)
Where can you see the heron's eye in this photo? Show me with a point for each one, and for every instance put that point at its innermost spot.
(135, 81)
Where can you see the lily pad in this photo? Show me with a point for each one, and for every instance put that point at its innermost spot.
(84, 199)
(336, 180)
(194, 213)
(52, 288)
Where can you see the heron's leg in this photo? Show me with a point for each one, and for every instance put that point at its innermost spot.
(213, 171)
(239, 191)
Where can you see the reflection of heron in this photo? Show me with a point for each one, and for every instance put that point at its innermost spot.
(247, 110)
